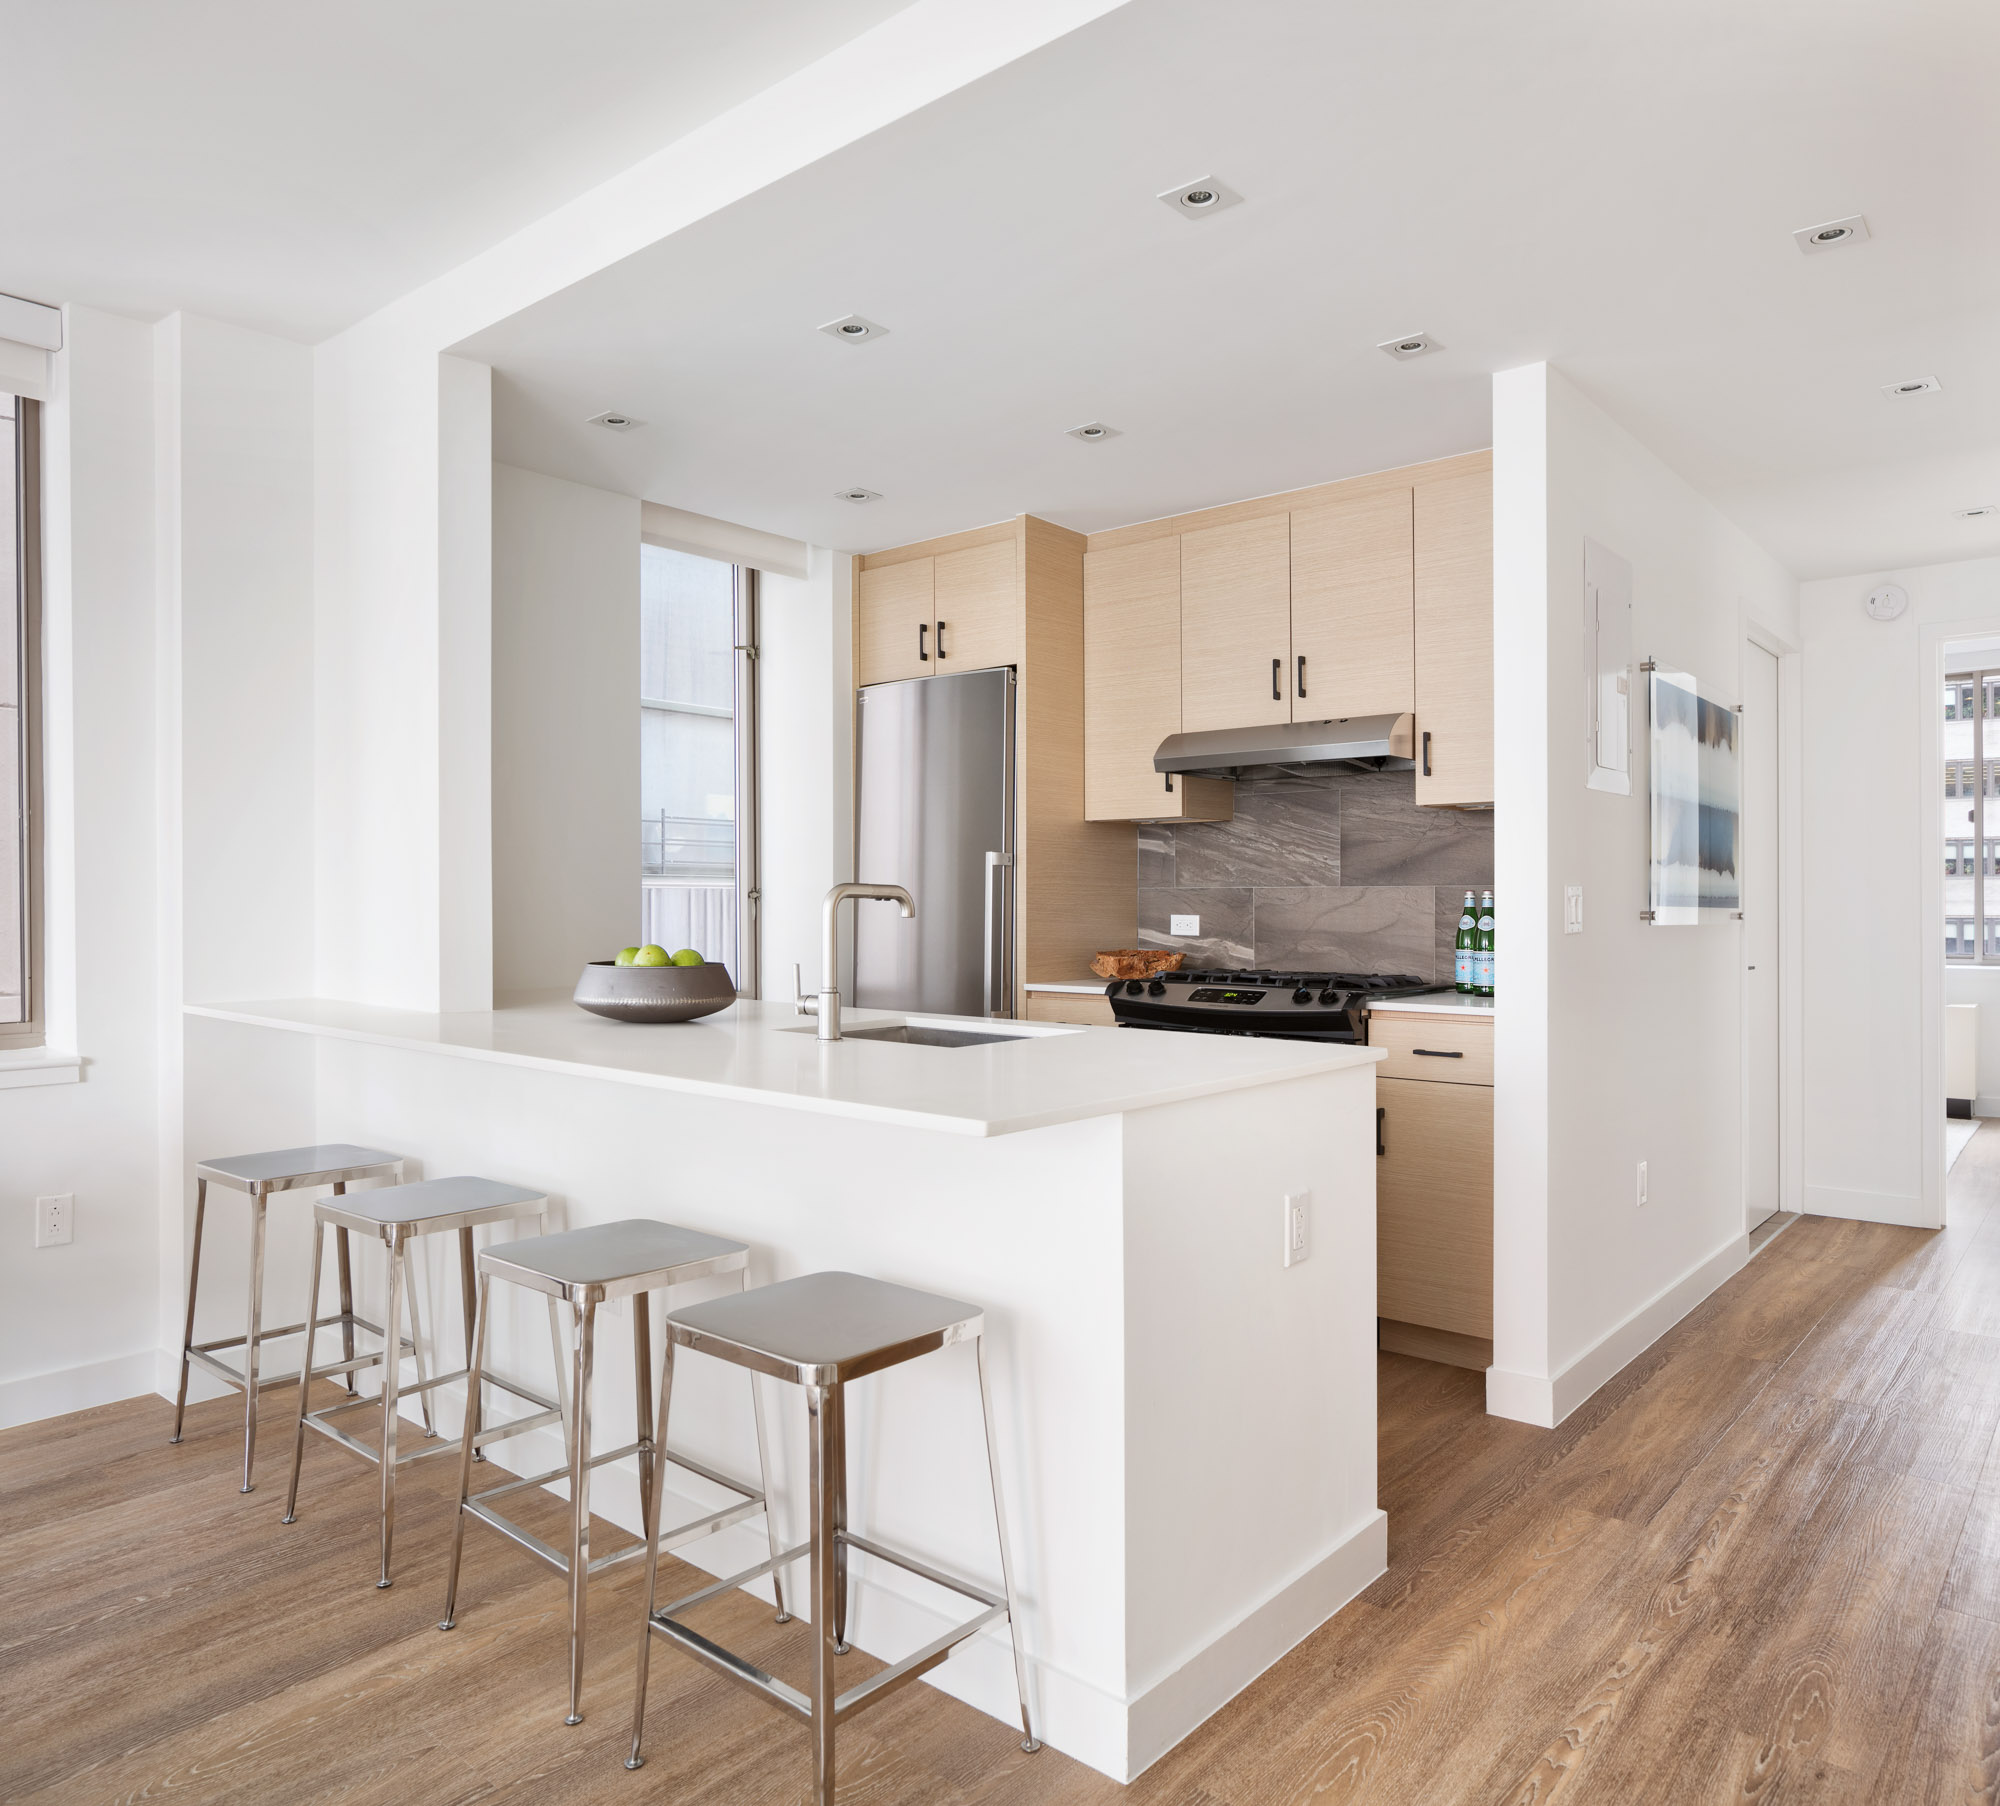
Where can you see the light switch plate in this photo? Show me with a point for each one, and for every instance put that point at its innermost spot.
(1184, 924)
(1572, 909)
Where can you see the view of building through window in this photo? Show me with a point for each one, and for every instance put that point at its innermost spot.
(687, 757)
(1971, 784)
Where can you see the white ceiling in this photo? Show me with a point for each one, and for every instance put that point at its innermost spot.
(293, 167)
(1612, 188)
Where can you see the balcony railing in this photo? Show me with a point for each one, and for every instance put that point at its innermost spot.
(690, 849)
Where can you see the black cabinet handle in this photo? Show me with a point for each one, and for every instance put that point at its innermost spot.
(1302, 673)
(924, 652)
(1170, 783)
(1381, 1111)
(940, 639)
(1437, 1053)
(1427, 752)
(1277, 689)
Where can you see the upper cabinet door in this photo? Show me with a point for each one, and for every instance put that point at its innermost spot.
(978, 607)
(894, 622)
(1454, 545)
(1353, 609)
(1131, 677)
(1236, 624)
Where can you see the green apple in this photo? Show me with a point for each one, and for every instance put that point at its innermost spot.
(626, 956)
(687, 956)
(649, 955)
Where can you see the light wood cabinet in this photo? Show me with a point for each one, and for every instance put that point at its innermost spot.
(1071, 1006)
(1446, 1050)
(1132, 688)
(893, 621)
(1236, 624)
(1434, 1205)
(976, 595)
(1353, 608)
(1453, 540)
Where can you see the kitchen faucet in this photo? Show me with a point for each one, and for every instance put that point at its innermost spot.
(826, 1006)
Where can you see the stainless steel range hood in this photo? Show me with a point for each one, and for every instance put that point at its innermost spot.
(1373, 742)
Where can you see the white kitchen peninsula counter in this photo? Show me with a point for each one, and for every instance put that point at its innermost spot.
(1186, 1424)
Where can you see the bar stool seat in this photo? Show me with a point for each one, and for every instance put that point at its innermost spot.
(397, 1215)
(820, 1332)
(588, 1268)
(338, 1164)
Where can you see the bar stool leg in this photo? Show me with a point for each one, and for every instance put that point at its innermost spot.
(412, 1285)
(467, 1263)
(642, 1393)
(194, 1276)
(763, 1480)
(305, 1375)
(561, 1352)
(635, 1759)
(1029, 1741)
(342, 1259)
(837, 1415)
(475, 1366)
(250, 1346)
(579, 1503)
(392, 1374)
(823, 1408)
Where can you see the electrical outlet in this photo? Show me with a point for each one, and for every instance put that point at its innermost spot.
(1642, 1185)
(1184, 924)
(1298, 1227)
(55, 1221)
(1572, 909)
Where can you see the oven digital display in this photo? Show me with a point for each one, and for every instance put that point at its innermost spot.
(1214, 996)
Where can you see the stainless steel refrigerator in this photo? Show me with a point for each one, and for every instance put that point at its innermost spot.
(934, 812)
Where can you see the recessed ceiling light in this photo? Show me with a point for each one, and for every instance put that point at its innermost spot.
(1849, 231)
(1091, 431)
(617, 422)
(857, 495)
(1981, 512)
(852, 329)
(1917, 385)
(1411, 344)
(1197, 199)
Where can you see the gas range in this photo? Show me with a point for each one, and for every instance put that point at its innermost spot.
(1291, 1006)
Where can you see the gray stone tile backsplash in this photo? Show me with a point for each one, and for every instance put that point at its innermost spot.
(1329, 871)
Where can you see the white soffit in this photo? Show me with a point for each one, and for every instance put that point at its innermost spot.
(706, 537)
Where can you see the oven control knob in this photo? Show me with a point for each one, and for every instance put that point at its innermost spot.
(1156, 989)
(1134, 987)
(1329, 997)
(1302, 995)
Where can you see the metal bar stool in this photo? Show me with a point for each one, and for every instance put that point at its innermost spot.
(338, 1164)
(398, 1215)
(820, 1332)
(588, 1268)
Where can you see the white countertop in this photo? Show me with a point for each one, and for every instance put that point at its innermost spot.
(1439, 1003)
(756, 1052)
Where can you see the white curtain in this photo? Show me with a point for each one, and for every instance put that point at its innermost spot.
(701, 916)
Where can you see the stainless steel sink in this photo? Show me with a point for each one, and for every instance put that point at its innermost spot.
(918, 1035)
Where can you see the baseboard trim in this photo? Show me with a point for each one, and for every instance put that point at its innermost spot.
(1867, 1206)
(1986, 1106)
(37, 1396)
(1529, 1398)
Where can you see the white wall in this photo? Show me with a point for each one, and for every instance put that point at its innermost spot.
(1871, 755)
(565, 727)
(78, 1324)
(1622, 1043)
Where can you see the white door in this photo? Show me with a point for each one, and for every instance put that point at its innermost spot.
(1760, 934)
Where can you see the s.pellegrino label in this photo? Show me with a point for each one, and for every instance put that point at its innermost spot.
(1461, 961)
(1482, 949)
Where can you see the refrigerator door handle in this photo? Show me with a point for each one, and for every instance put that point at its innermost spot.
(995, 864)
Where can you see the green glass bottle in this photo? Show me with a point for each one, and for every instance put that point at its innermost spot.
(1482, 954)
(1461, 958)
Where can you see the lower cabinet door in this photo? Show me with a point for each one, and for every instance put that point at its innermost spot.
(1434, 1205)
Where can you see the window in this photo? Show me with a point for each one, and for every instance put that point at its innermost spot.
(1971, 843)
(21, 1004)
(697, 727)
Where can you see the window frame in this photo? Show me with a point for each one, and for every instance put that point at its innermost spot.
(32, 1031)
(1980, 777)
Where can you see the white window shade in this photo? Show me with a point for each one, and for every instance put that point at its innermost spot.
(704, 537)
(28, 333)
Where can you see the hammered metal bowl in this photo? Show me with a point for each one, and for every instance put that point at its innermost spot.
(655, 993)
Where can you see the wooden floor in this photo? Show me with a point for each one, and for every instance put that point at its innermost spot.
(1764, 1564)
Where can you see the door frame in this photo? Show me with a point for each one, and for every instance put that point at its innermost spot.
(1791, 922)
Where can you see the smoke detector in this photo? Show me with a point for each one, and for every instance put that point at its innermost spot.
(1196, 200)
(1091, 431)
(616, 421)
(1916, 385)
(1886, 602)
(852, 329)
(1848, 231)
(857, 496)
(1411, 344)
